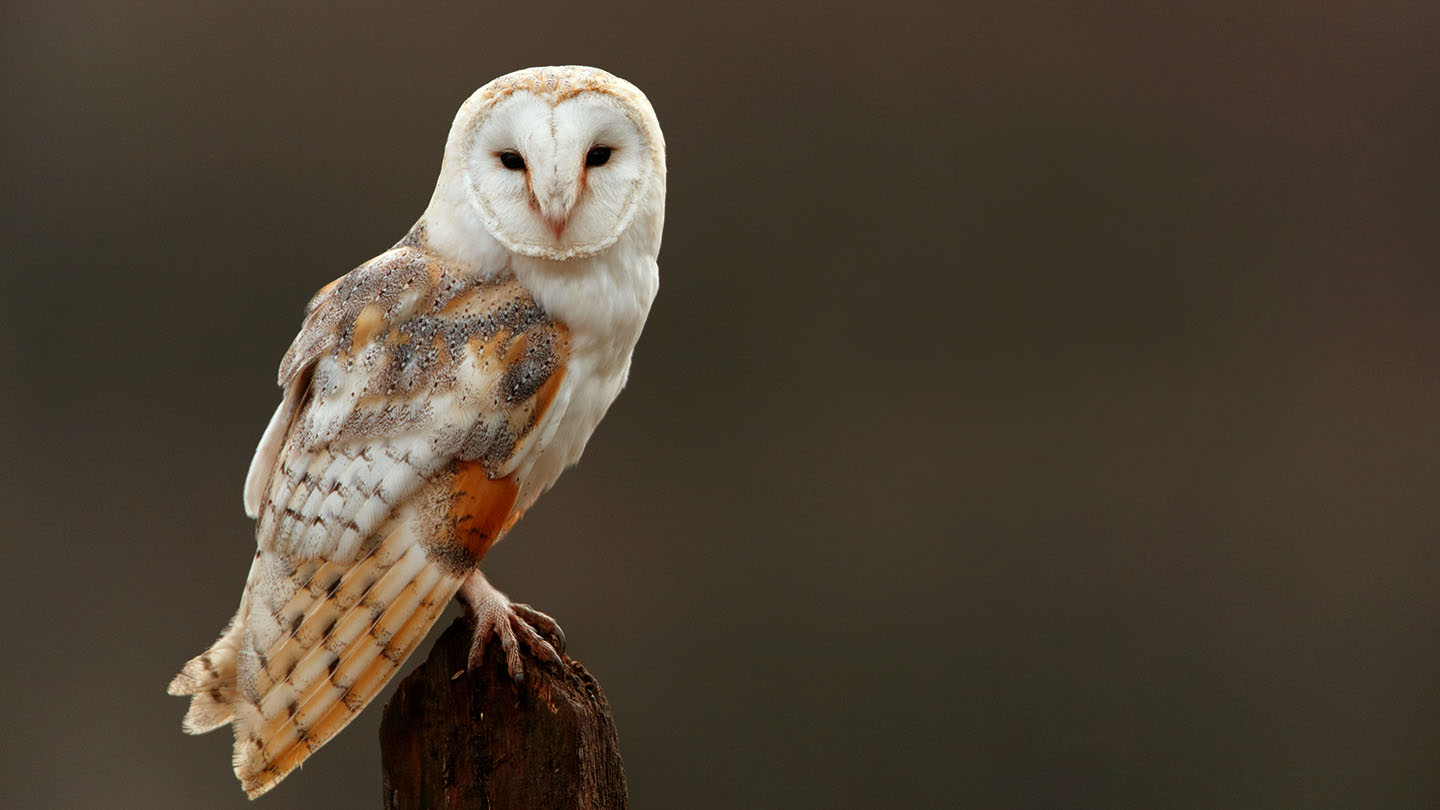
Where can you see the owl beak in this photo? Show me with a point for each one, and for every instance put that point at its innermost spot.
(555, 197)
(557, 223)
(555, 205)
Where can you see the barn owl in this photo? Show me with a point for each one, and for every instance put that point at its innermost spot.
(432, 394)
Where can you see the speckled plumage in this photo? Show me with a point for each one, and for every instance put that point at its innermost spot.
(431, 396)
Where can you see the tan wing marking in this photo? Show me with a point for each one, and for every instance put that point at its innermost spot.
(480, 507)
(370, 322)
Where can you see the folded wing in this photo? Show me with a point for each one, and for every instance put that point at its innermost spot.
(410, 394)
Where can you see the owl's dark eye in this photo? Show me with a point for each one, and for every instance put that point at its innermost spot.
(597, 156)
(512, 161)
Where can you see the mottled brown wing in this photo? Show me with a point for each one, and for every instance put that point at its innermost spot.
(408, 390)
(403, 368)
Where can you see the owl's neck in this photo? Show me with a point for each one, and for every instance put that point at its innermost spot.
(603, 299)
(447, 229)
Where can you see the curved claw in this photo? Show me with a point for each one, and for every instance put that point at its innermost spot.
(546, 625)
(513, 624)
(537, 643)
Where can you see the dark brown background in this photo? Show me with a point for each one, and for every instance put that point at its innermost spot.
(1039, 410)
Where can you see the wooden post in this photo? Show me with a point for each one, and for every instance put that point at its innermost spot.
(457, 740)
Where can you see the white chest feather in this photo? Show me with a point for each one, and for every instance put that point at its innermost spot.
(604, 301)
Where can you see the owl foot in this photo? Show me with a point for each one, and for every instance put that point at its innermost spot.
(513, 623)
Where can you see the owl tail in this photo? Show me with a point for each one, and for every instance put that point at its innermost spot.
(210, 678)
(340, 634)
(310, 646)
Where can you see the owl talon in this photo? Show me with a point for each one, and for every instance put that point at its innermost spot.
(495, 615)
(547, 626)
(532, 637)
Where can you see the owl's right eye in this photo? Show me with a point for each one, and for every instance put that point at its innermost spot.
(512, 161)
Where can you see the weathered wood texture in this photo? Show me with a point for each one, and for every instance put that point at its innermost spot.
(480, 741)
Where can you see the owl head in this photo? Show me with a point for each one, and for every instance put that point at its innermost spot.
(553, 162)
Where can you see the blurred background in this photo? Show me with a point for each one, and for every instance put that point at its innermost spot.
(1039, 410)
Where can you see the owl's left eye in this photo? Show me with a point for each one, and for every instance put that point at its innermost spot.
(597, 156)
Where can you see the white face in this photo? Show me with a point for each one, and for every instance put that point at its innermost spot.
(557, 181)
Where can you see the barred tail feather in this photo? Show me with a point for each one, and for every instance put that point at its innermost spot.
(315, 641)
(343, 632)
(363, 671)
(210, 679)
